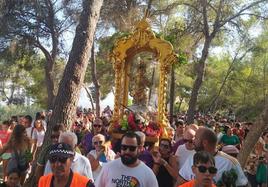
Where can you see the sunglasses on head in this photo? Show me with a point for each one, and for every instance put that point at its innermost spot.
(129, 147)
(203, 169)
(95, 125)
(58, 159)
(165, 146)
(98, 142)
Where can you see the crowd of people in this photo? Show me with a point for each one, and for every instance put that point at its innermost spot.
(199, 154)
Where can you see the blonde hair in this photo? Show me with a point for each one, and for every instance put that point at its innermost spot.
(100, 136)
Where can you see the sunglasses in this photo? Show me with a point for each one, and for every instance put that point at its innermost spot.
(58, 159)
(98, 143)
(203, 169)
(54, 136)
(165, 146)
(129, 147)
(189, 141)
(99, 126)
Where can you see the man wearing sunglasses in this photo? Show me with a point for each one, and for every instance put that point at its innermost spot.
(80, 163)
(127, 170)
(61, 156)
(206, 140)
(203, 169)
(186, 149)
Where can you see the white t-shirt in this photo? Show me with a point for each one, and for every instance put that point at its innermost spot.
(115, 174)
(39, 136)
(80, 165)
(219, 136)
(110, 156)
(223, 163)
(44, 123)
(29, 132)
(182, 154)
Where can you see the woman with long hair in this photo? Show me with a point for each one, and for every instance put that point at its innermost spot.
(20, 145)
(165, 164)
(38, 137)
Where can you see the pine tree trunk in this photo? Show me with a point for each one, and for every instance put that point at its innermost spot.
(95, 81)
(51, 56)
(50, 85)
(49, 66)
(181, 100)
(253, 137)
(73, 77)
(200, 70)
(90, 98)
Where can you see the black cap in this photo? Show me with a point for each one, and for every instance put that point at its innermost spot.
(61, 150)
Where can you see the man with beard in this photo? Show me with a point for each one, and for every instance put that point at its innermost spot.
(128, 170)
(203, 169)
(61, 156)
(206, 140)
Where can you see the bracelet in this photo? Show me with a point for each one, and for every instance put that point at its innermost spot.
(165, 164)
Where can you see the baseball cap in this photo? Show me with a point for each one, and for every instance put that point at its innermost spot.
(230, 149)
(61, 150)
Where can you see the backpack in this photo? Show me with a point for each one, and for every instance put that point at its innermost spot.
(18, 161)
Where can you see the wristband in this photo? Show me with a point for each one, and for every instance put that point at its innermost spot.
(165, 164)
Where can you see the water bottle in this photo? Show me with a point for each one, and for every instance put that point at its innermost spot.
(102, 158)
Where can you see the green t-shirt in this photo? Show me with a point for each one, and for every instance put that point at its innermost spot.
(43, 156)
(230, 140)
(261, 175)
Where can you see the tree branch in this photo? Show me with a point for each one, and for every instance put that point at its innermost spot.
(4, 93)
(240, 12)
(255, 15)
(216, 22)
(205, 18)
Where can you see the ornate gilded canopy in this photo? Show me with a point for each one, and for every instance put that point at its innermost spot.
(142, 39)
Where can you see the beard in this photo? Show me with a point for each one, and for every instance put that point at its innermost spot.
(128, 159)
(199, 148)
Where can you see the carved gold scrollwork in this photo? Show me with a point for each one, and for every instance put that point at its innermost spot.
(142, 39)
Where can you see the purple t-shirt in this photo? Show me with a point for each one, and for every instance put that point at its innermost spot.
(147, 158)
(177, 144)
(87, 142)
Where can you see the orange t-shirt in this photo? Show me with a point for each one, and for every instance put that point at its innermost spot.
(191, 184)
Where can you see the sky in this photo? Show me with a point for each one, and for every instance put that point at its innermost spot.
(84, 101)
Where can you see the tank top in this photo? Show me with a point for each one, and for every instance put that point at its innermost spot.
(164, 179)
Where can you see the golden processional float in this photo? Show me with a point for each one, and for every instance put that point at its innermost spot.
(154, 124)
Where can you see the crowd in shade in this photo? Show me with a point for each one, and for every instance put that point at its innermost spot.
(201, 154)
